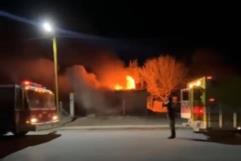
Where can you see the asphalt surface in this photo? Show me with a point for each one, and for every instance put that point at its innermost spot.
(118, 145)
(122, 120)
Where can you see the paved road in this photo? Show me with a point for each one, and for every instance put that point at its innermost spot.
(118, 145)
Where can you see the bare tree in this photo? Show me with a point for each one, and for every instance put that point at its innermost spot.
(162, 75)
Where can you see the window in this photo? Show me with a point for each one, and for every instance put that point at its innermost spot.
(198, 94)
(185, 95)
(40, 100)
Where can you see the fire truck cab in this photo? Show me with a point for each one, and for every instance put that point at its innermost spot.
(26, 106)
(206, 106)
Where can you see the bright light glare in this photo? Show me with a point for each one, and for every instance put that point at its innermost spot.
(198, 83)
(190, 85)
(33, 120)
(48, 27)
(55, 117)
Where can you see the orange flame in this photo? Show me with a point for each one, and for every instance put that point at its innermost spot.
(118, 87)
(129, 84)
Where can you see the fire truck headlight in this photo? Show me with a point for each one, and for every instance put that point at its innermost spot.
(33, 120)
(55, 118)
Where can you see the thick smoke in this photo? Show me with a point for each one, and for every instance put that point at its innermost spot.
(110, 70)
(92, 88)
(16, 70)
(87, 90)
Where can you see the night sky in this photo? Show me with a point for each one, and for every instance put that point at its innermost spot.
(133, 29)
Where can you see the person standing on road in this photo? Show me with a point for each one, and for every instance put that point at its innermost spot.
(171, 105)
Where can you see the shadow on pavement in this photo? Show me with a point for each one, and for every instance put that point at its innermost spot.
(11, 144)
(228, 140)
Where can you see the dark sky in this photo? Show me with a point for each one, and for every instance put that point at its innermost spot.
(143, 28)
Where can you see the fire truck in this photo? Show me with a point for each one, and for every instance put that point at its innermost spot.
(212, 105)
(26, 106)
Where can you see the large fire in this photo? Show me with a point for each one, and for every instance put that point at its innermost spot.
(118, 78)
(130, 84)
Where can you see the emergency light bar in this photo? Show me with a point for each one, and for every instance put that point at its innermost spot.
(35, 86)
(29, 83)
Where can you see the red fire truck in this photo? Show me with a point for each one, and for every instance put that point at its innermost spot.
(25, 107)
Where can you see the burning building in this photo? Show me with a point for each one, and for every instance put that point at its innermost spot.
(119, 94)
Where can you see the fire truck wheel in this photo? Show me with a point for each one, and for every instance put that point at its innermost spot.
(19, 134)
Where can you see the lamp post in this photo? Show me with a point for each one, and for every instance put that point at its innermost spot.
(49, 28)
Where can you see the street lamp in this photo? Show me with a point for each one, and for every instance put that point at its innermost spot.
(49, 28)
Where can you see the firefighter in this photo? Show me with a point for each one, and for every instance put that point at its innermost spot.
(171, 105)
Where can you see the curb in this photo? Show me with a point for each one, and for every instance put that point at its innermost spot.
(66, 121)
(119, 127)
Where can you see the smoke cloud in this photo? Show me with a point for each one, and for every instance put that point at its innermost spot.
(92, 87)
